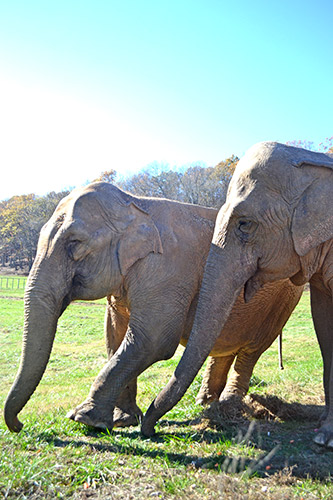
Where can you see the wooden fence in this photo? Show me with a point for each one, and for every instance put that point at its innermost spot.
(8, 283)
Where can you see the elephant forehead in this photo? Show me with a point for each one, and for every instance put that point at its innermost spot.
(268, 163)
(86, 204)
(258, 156)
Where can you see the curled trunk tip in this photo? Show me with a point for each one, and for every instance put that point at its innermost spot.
(12, 422)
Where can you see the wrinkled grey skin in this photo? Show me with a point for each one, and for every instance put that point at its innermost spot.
(147, 256)
(277, 222)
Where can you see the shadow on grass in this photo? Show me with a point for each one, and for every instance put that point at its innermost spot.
(280, 443)
(292, 426)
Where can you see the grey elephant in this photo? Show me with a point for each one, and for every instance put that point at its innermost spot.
(147, 256)
(277, 223)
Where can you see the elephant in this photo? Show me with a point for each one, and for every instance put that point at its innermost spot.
(246, 335)
(147, 257)
(277, 223)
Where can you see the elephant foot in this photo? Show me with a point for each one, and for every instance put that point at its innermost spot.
(204, 398)
(324, 436)
(148, 427)
(89, 414)
(231, 396)
(126, 418)
(230, 406)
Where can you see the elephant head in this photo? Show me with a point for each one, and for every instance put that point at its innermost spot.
(277, 215)
(84, 252)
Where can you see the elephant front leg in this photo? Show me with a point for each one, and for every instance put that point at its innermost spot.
(322, 315)
(131, 359)
(214, 379)
(117, 315)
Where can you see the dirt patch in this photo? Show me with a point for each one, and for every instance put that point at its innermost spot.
(254, 406)
(272, 407)
(287, 428)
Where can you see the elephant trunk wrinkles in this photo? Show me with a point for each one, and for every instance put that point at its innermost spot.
(40, 325)
(218, 294)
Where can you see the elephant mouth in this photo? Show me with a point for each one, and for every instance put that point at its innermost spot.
(251, 287)
(65, 303)
(77, 285)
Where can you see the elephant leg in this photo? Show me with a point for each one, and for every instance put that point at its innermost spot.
(115, 324)
(321, 308)
(141, 347)
(322, 315)
(126, 411)
(214, 379)
(239, 379)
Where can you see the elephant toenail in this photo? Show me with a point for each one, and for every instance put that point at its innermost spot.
(320, 439)
(71, 414)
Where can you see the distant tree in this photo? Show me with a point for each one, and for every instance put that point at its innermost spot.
(150, 182)
(227, 166)
(21, 219)
(310, 145)
(223, 172)
(325, 146)
(107, 176)
(193, 184)
(17, 234)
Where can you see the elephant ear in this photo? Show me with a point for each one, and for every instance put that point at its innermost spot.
(140, 238)
(312, 222)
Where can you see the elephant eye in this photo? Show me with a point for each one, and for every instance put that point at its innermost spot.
(71, 249)
(246, 226)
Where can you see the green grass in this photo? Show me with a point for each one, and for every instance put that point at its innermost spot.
(54, 457)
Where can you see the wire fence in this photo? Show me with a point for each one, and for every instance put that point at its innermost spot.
(12, 283)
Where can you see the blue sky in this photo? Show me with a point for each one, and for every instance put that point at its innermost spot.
(88, 86)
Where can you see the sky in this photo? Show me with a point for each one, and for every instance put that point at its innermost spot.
(86, 86)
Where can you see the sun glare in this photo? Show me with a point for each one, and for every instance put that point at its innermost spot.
(51, 141)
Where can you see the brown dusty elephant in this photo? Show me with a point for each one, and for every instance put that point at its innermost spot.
(250, 330)
(277, 223)
(148, 256)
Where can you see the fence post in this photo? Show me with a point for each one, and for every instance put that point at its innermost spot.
(7, 283)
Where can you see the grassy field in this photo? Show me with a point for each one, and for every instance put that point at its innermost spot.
(194, 455)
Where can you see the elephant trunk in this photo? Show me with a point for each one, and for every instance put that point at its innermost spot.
(223, 279)
(40, 323)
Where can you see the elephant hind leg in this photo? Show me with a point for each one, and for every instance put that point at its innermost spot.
(126, 411)
(214, 379)
(239, 380)
(322, 315)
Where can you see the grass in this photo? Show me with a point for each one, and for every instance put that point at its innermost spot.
(193, 455)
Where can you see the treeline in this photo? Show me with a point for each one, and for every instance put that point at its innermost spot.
(196, 184)
(22, 217)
